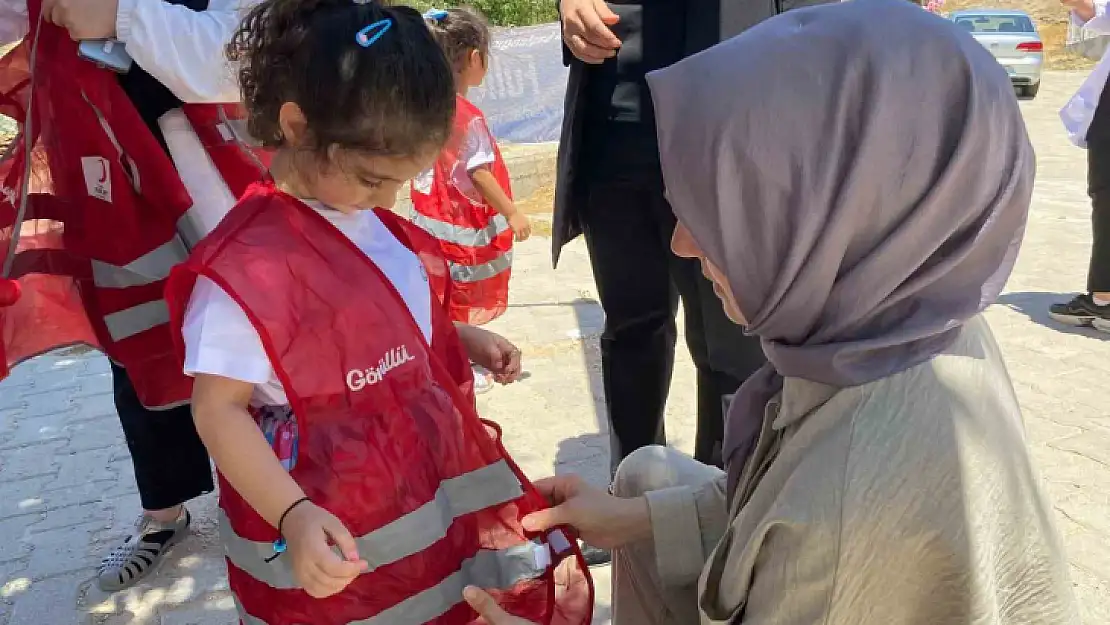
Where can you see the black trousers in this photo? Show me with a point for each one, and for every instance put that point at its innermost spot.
(1098, 186)
(628, 224)
(171, 464)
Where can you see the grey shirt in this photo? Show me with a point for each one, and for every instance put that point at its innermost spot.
(910, 500)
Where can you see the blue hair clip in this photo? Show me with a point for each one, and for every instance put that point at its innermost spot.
(372, 33)
(435, 15)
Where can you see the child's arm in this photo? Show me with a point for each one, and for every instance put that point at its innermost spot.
(491, 351)
(496, 197)
(239, 447)
(246, 460)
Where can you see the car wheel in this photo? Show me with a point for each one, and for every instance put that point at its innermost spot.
(1031, 91)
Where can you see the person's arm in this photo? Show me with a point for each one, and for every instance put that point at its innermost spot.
(490, 350)
(181, 48)
(492, 192)
(224, 354)
(496, 197)
(686, 524)
(479, 155)
(239, 447)
(1090, 14)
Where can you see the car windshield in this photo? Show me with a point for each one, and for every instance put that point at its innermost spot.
(995, 23)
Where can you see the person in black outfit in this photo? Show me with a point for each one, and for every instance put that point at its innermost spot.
(171, 464)
(1092, 308)
(610, 189)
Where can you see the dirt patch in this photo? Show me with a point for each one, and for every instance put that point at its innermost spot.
(540, 202)
(538, 206)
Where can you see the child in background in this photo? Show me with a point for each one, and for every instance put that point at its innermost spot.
(357, 483)
(464, 200)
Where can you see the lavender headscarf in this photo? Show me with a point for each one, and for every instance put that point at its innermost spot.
(861, 174)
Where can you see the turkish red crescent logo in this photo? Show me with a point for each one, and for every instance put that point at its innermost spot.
(103, 173)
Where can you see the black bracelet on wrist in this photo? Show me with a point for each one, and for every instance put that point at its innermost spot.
(279, 544)
(281, 520)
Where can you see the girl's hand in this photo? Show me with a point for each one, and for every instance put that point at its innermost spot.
(521, 226)
(310, 531)
(491, 351)
(489, 612)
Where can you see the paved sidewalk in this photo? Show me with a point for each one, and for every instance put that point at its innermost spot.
(67, 491)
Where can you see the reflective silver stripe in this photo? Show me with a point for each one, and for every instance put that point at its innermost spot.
(461, 235)
(485, 271)
(131, 321)
(146, 269)
(487, 569)
(428, 604)
(414, 532)
(189, 229)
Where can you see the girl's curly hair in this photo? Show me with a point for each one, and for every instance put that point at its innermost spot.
(395, 97)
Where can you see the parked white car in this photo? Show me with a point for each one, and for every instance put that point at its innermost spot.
(1011, 36)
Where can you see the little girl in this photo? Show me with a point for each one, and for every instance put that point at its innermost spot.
(331, 387)
(464, 200)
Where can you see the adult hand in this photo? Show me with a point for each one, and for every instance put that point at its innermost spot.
(586, 29)
(601, 519)
(491, 351)
(309, 533)
(84, 19)
(1082, 9)
(488, 610)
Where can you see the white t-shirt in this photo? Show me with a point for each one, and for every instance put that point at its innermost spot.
(220, 340)
(476, 151)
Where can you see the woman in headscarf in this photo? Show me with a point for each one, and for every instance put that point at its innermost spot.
(855, 179)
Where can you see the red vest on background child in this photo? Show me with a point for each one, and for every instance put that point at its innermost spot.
(389, 438)
(474, 237)
(93, 214)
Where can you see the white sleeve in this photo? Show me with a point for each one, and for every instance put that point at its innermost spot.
(220, 340)
(477, 148)
(13, 21)
(1100, 23)
(182, 48)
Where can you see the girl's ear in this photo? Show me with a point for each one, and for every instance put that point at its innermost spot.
(294, 126)
(476, 59)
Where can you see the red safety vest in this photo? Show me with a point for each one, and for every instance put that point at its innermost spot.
(474, 237)
(92, 223)
(390, 441)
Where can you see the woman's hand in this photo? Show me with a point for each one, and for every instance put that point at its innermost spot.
(491, 351)
(1083, 9)
(601, 519)
(309, 532)
(488, 610)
